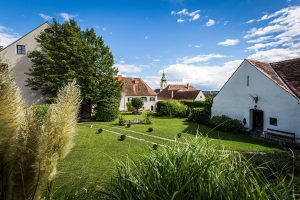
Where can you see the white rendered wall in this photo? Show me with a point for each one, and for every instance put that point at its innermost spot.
(20, 64)
(234, 100)
(147, 104)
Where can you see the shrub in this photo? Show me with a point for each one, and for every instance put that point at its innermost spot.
(200, 115)
(171, 108)
(150, 129)
(128, 125)
(122, 120)
(148, 118)
(107, 110)
(196, 171)
(155, 146)
(122, 137)
(129, 106)
(227, 124)
(137, 103)
(178, 135)
(100, 130)
(193, 104)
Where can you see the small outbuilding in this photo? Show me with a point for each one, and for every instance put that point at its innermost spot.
(265, 97)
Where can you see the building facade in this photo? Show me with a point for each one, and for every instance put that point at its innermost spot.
(178, 91)
(264, 96)
(16, 56)
(136, 87)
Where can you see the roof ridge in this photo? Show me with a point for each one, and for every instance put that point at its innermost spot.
(283, 61)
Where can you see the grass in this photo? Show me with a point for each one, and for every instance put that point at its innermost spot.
(170, 127)
(92, 162)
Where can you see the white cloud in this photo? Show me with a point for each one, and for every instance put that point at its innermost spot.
(156, 60)
(183, 12)
(180, 20)
(195, 17)
(196, 12)
(250, 21)
(66, 16)
(128, 68)
(45, 17)
(198, 58)
(210, 22)
(279, 39)
(7, 36)
(229, 42)
(185, 15)
(202, 76)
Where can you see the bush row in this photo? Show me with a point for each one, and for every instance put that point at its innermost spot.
(223, 123)
(171, 108)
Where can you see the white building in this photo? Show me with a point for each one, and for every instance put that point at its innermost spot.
(15, 55)
(136, 87)
(265, 97)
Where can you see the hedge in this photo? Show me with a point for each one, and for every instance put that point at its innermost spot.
(171, 108)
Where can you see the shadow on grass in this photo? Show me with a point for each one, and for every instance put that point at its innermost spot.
(221, 135)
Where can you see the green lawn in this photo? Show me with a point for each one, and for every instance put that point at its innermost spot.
(92, 161)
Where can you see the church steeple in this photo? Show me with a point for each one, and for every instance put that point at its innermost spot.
(163, 81)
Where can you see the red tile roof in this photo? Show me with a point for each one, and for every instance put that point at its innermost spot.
(186, 95)
(285, 74)
(136, 87)
(170, 91)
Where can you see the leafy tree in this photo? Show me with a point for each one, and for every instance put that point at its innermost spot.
(137, 103)
(67, 53)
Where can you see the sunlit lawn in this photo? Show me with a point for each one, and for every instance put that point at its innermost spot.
(92, 162)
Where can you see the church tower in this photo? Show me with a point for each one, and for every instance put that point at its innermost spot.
(163, 82)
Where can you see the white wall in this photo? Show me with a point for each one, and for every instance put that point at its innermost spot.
(200, 97)
(234, 100)
(21, 64)
(147, 104)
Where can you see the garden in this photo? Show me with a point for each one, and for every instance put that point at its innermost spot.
(80, 146)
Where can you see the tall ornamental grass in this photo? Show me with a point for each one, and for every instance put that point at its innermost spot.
(197, 171)
(30, 147)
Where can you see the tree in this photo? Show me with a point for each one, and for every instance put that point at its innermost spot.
(137, 103)
(67, 53)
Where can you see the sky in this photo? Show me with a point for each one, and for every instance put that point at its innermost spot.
(200, 42)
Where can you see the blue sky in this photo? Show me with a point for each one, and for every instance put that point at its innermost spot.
(197, 41)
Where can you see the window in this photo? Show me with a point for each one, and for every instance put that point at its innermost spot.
(152, 98)
(247, 81)
(21, 49)
(145, 99)
(273, 121)
(129, 98)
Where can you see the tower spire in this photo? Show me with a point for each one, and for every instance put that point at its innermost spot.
(163, 81)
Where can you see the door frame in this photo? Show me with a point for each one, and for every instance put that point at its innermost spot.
(251, 124)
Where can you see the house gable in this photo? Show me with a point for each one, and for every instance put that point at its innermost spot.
(20, 63)
(236, 100)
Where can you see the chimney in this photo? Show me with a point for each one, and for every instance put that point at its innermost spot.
(172, 94)
(119, 77)
(187, 85)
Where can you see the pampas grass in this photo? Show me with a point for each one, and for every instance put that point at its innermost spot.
(30, 147)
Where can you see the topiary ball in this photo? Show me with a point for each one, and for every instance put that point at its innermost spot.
(150, 129)
(122, 137)
(128, 125)
(155, 146)
(100, 130)
(178, 135)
